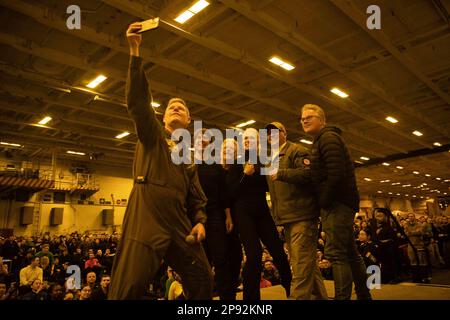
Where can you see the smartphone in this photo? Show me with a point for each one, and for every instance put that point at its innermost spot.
(149, 24)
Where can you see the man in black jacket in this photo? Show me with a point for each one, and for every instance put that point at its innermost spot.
(295, 208)
(101, 293)
(333, 176)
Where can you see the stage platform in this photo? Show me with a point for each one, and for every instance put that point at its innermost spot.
(402, 291)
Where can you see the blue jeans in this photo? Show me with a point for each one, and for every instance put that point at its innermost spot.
(340, 248)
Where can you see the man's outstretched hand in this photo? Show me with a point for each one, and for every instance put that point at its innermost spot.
(134, 39)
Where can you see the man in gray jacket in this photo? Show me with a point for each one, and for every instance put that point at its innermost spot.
(295, 208)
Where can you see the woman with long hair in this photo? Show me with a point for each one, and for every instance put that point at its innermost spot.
(222, 244)
(247, 189)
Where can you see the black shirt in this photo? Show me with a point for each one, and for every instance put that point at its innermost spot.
(246, 190)
(212, 180)
(98, 294)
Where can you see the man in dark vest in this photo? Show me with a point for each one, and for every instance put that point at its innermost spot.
(165, 202)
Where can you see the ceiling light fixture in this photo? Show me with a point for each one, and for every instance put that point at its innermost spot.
(45, 121)
(94, 83)
(193, 10)
(244, 124)
(10, 144)
(340, 93)
(76, 153)
(417, 133)
(123, 134)
(281, 63)
(391, 119)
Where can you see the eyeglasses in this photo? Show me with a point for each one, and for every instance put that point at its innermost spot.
(308, 118)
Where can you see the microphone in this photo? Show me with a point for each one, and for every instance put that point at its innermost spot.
(190, 239)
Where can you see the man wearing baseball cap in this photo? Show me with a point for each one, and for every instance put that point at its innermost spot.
(295, 208)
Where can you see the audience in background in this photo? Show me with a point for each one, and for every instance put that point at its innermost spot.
(37, 292)
(386, 240)
(85, 293)
(367, 249)
(32, 272)
(417, 251)
(23, 275)
(101, 293)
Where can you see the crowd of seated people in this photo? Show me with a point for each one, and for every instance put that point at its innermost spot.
(37, 268)
(56, 267)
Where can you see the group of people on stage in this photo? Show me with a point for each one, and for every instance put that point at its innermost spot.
(226, 204)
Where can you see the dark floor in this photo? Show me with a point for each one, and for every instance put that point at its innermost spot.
(441, 276)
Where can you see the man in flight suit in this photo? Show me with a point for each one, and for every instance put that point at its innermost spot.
(165, 202)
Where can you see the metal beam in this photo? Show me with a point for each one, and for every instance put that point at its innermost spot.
(114, 43)
(63, 128)
(34, 110)
(358, 17)
(85, 146)
(74, 61)
(64, 58)
(295, 38)
(153, 55)
(261, 66)
(12, 71)
(81, 64)
(412, 154)
(57, 101)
